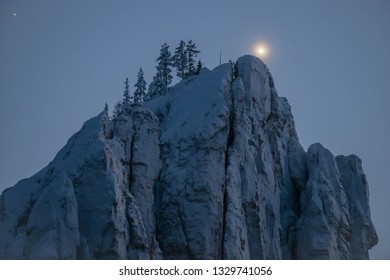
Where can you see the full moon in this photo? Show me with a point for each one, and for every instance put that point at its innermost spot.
(260, 50)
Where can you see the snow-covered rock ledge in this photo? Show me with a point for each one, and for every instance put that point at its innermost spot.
(211, 170)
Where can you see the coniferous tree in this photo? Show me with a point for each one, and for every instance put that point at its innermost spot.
(233, 69)
(117, 110)
(126, 93)
(152, 89)
(192, 53)
(164, 67)
(105, 107)
(198, 67)
(140, 88)
(180, 60)
(163, 77)
(157, 87)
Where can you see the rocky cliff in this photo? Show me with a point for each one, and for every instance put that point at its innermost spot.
(211, 170)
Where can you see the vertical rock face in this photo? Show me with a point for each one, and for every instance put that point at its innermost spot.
(324, 210)
(211, 170)
(363, 236)
(95, 200)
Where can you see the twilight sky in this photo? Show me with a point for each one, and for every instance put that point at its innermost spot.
(60, 61)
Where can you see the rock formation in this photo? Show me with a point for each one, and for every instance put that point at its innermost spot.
(211, 170)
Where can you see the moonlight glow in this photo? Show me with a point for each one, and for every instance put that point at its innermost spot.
(261, 50)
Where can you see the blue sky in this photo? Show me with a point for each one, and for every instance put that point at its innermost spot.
(60, 61)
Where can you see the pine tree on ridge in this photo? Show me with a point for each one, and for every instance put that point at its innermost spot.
(163, 77)
(117, 110)
(126, 93)
(180, 60)
(192, 53)
(140, 88)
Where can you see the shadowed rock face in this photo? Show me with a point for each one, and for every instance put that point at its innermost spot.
(211, 170)
(363, 236)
